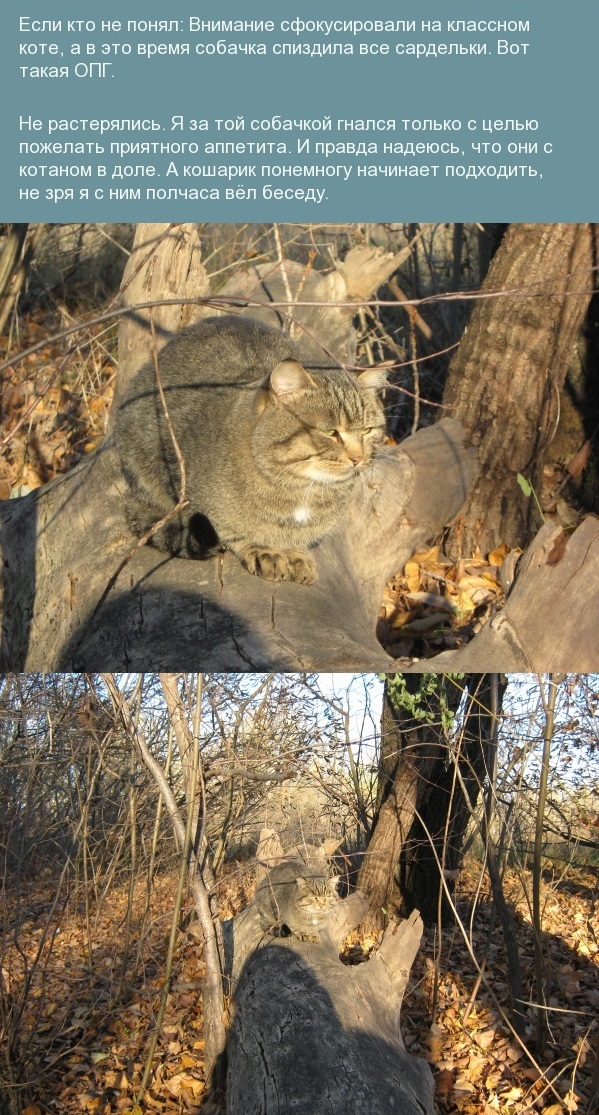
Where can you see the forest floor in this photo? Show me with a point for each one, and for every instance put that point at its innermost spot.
(81, 986)
(54, 403)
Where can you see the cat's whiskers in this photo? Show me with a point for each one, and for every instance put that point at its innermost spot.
(325, 490)
(286, 468)
(290, 468)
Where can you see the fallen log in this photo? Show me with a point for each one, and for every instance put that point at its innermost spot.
(71, 601)
(313, 1036)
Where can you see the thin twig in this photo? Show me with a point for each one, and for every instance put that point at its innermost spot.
(283, 267)
(218, 301)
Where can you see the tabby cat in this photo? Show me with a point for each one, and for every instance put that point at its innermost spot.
(273, 450)
(296, 896)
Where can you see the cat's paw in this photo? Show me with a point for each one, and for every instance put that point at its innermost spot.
(279, 565)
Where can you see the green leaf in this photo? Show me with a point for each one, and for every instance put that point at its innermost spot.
(523, 482)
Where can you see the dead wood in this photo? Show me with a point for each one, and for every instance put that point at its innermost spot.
(164, 260)
(549, 622)
(312, 1035)
(72, 602)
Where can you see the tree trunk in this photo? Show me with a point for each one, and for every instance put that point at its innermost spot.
(313, 1036)
(9, 261)
(446, 806)
(396, 805)
(413, 749)
(505, 380)
(421, 823)
(164, 261)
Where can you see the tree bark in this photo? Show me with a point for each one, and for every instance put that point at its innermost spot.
(447, 801)
(16, 260)
(413, 754)
(424, 809)
(505, 380)
(164, 261)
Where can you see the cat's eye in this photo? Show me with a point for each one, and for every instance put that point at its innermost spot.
(332, 433)
(368, 429)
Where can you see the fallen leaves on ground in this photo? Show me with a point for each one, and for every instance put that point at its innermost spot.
(54, 403)
(478, 1062)
(89, 1015)
(436, 604)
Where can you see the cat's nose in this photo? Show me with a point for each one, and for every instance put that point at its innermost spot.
(354, 449)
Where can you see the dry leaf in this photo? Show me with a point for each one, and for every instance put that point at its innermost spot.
(412, 575)
(484, 1038)
(463, 1086)
(558, 549)
(90, 1102)
(497, 556)
(443, 1082)
(580, 460)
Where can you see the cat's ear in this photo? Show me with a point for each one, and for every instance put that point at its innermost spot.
(373, 379)
(302, 885)
(333, 884)
(288, 378)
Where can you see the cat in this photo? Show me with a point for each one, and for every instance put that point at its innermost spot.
(296, 896)
(273, 450)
